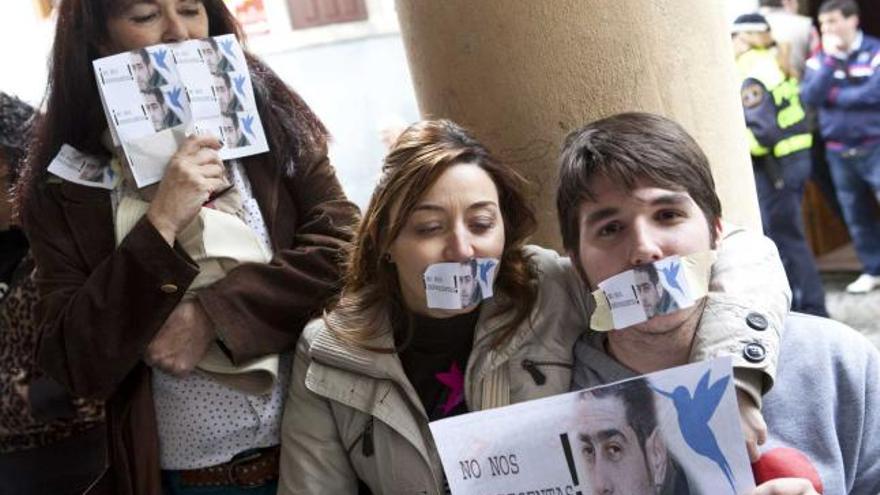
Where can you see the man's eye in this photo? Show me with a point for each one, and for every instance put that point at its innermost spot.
(609, 229)
(588, 450)
(613, 451)
(670, 214)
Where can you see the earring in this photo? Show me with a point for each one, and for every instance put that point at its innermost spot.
(387, 258)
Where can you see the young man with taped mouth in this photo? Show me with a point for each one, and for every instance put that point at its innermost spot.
(635, 189)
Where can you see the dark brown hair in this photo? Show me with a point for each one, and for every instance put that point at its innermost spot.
(422, 153)
(847, 8)
(73, 108)
(627, 148)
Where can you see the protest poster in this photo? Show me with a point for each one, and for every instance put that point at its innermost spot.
(674, 431)
(156, 96)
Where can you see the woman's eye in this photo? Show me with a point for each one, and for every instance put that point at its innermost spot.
(482, 226)
(191, 12)
(428, 229)
(140, 19)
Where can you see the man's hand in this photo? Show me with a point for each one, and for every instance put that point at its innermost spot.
(182, 341)
(753, 425)
(786, 486)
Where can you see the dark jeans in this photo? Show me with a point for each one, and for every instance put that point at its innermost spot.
(783, 223)
(67, 467)
(856, 174)
(171, 486)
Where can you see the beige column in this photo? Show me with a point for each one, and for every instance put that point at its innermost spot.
(522, 73)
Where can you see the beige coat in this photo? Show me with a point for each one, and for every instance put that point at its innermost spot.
(352, 414)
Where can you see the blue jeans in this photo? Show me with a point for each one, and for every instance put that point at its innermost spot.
(171, 486)
(783, 223)
(856, 175)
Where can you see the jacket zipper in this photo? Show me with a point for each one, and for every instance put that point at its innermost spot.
(537, 375)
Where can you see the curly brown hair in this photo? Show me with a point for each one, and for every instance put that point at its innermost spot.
(422, 153)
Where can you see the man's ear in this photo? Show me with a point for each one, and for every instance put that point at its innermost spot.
(657, 457)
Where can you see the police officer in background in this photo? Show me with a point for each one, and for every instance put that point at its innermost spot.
(843, 82)
(780, 146)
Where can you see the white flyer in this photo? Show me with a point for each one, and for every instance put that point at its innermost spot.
(674, 431)
(156, 96)
(459, 285)
(87, 170)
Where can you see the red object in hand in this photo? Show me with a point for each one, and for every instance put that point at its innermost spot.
(784, 462)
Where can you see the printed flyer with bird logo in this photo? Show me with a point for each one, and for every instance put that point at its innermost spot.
(155, 97)
(676, 431)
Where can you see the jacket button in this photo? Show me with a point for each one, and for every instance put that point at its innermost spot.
(757, 321)
(168, 288)
(754, 352)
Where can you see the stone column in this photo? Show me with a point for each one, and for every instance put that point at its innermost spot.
(522, 73)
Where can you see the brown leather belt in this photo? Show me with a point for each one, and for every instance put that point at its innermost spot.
(248, 469)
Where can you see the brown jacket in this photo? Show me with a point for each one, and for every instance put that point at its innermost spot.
(101, 305)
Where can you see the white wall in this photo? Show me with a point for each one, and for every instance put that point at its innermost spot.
(26, 41)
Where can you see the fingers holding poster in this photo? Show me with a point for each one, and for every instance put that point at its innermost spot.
(676, 431)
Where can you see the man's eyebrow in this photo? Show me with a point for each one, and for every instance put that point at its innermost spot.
(602, 435)
(601, 214)
(671, 199)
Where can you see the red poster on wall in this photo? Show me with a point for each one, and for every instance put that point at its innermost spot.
(251, 14)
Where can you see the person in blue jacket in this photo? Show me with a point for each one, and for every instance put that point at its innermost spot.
(843, 83)
(780, 144)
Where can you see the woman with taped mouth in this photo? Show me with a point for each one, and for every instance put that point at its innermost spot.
(371, 374)
(122, 316)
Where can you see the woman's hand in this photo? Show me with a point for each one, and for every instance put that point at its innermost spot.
(753, 426)
(182, 341)
(193, 174)
(786, 486)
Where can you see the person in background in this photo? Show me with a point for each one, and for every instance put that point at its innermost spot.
(791, 30)
(50, 442)
(780, 147)
(843, 82)
(112, 315)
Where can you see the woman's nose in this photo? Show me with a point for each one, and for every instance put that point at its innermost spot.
(175, 28)
(459, 246)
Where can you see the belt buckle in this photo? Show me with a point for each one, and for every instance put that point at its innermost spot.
(851, 153)
(239, 462)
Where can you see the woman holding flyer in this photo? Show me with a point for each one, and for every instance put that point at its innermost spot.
(114, 321)
(401, 348)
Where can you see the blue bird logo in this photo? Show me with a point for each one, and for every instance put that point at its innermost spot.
(174, 97)
(159, 57)
(484, 271)
(248, 124)
(227, 47)
(694, 413)
(239, 84)
(670, 273)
